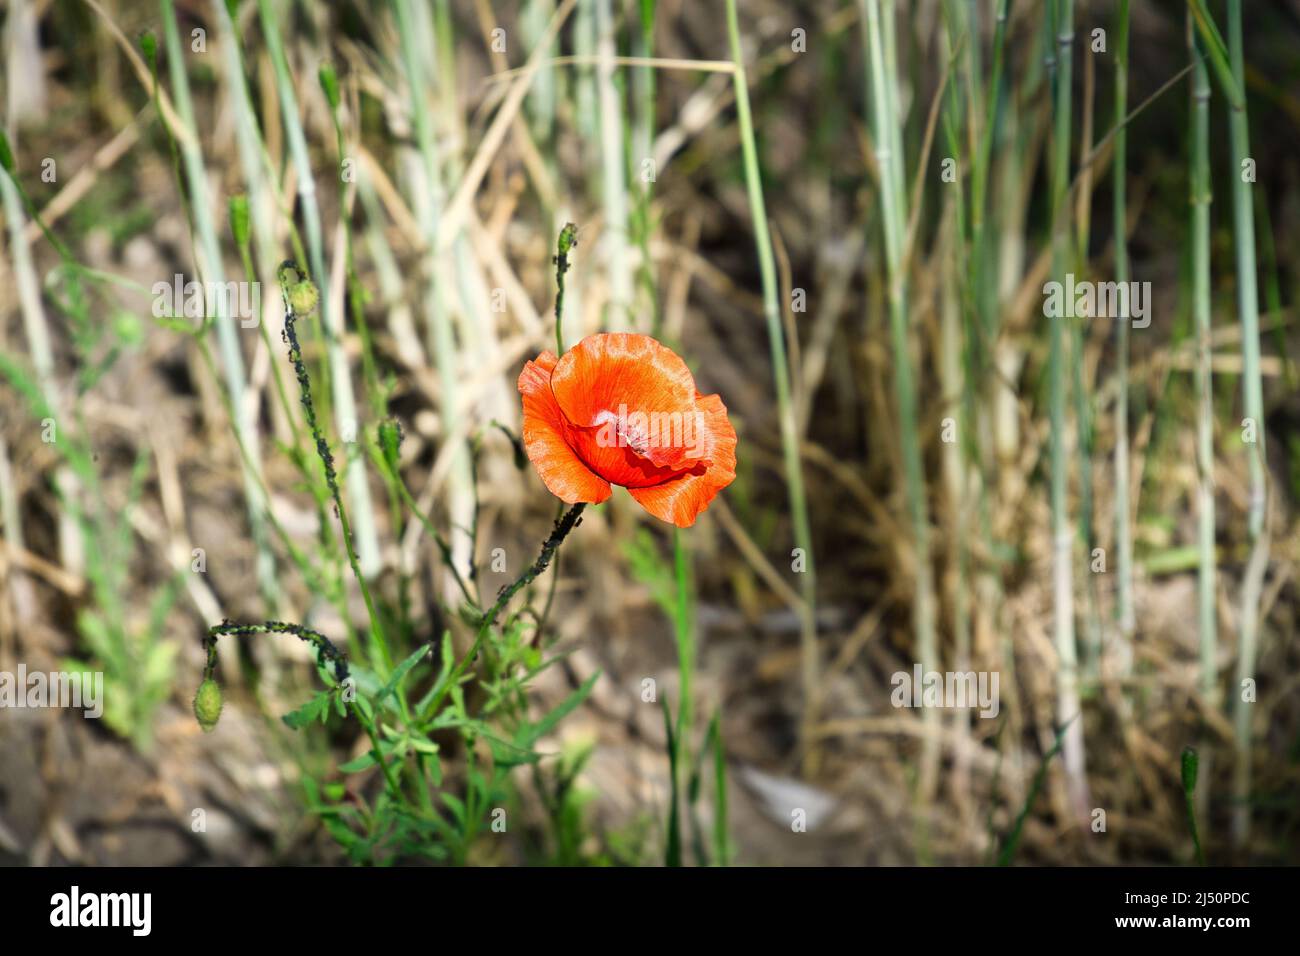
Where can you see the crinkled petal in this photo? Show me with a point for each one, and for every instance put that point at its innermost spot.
(565, 474)
(635, 394)
(617, 463)
(681, 499)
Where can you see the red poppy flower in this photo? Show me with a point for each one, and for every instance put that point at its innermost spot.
(622, 409)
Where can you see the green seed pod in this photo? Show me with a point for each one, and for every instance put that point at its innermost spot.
(303, 297)
(207, 704)
(1190, 762)
(149, 44)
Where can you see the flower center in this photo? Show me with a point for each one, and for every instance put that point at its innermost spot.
(628, 431)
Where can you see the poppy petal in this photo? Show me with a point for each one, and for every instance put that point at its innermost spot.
(680, 500)
(619, 464)
(561, 470)
(636, 393)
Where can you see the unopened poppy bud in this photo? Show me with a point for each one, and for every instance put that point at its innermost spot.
(207, 704)
(303, 297)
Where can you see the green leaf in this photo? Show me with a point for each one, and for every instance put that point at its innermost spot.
(318, 708)
(390, 444)
(329, 83)
(340, 831)
(401, 671)
(457, 806)
(335, 791)
(158, 664)
(649, 567)
(6, 155)
(1013, 840)
(448, 663)
(423, 745)
(184, 326)
(239, 219)
(366, 760)
(95, 631)
(529, 735)
(506, 755)
(721, 843)
(673, 851)
(1217, 49)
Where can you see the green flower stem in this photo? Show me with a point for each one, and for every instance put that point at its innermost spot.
(434, 533)
(572, 518)
(209, 250)
(811, 664)
(568, 239)
(314, 580)
(326, 655)
(298, 291)
(366, 543)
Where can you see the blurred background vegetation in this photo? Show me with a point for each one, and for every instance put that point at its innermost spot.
(842, 214)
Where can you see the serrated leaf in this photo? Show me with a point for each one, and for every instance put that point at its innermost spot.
(318, 708)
